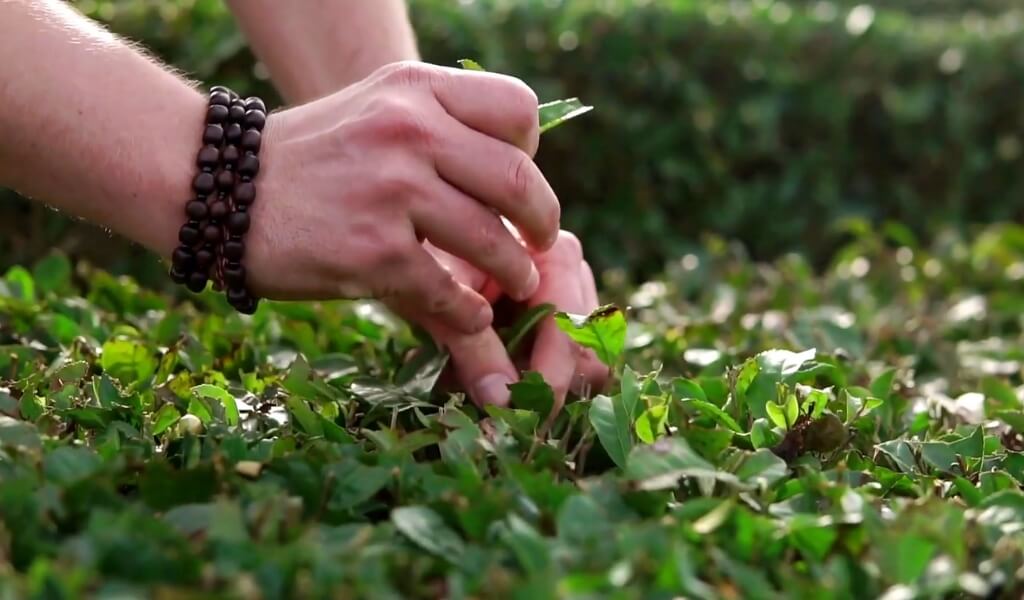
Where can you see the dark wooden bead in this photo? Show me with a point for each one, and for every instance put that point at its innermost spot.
(212, 233)
(233, 133)
(204, 258)
(233, 250)
(225, 180)
(236, 113)
(216, 114)
(251, 140)
(214, 134)
(219, 210)
(196, 210)
(183, 258)
(234, 275)
(220, 98)
(255, 119)
(254, 103)
(249, 307)
(188, 235)
(229, 155)
(237, 296)
(203, 184)
(208, 157)
(245, 193)
(197, 281)
(178, 275)
(237, 223)
(249, 165)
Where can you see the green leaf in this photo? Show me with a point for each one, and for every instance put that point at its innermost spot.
(814, 541)
(603, 331)
(629, 398)
(881, 387)
(1002, 396)
(1014, 419)
(20, 284)
(470, 64)
(710, 410)
(603, 417)
(773, 367)
(762, 469)
(762, 436)
(905, 558)
(52, 273)
(687, 389)
(651, 423)
(777, 415)
(199, 408)
(306, 418)
(355, 483)
(792, 409)
(68, 465)
(709, 443)
(128, 361)
(426, 529)
(18, 434)
(221, 395)
(557, 112)
(531, 392)
(661, 465)
(514, 335)
(165, 417)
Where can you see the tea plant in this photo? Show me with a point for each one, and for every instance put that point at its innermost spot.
(770, 433)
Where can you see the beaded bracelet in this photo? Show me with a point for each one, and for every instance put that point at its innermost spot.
(248, 119)
(221, 202)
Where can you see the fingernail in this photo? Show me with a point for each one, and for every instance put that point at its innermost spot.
(484, 318)
(493, 389)
(532, 283)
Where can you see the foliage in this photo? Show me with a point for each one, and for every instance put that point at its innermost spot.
(772, 434)
(765, 121)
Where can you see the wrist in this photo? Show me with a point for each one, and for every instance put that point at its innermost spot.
(162, 185)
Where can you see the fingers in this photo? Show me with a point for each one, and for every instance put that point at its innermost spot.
(420, 280)
(499, 106)
(481, 364)
(554, 355)
(457, 224)
(501, 176)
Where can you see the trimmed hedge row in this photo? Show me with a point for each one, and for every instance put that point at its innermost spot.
(763, 121)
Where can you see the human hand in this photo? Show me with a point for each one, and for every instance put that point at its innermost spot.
(353, 182)
(483, 366)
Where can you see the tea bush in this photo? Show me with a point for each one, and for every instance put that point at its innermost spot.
(770, 434)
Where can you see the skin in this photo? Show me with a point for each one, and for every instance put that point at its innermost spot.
(331, 44)
(351, 183)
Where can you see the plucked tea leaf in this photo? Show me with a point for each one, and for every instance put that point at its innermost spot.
(603, 331)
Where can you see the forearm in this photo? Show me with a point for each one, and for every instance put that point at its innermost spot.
(92, 127)
(316, 47)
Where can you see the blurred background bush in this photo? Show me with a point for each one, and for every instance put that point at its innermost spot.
(770, 122)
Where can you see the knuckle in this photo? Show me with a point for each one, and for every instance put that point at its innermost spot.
(400, 123)
(488, 243)
(410, 73)
(441, 294)
(406, 72)
(397, 186)
(519, 177)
